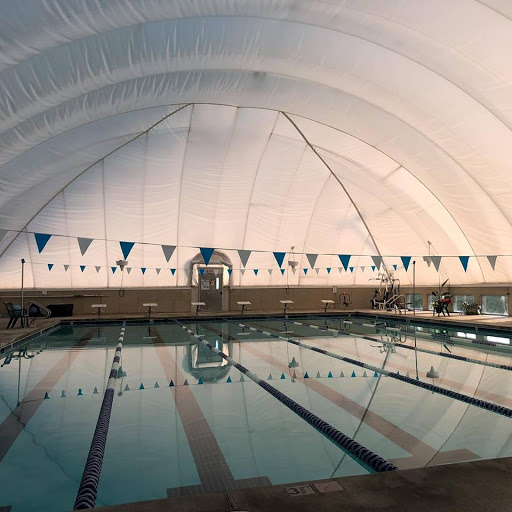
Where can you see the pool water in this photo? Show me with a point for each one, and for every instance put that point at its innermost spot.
(184, 420)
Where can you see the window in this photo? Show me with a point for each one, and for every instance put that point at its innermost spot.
(458, 301)
(495, 304)
(418, 301)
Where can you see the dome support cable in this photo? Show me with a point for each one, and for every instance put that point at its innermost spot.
(341, 185)
(96, 162)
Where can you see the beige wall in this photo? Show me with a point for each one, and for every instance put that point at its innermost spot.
(177, 300)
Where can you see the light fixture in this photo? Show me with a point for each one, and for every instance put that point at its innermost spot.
(432, 374)
(121, 264)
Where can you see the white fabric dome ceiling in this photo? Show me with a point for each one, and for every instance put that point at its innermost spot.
(408, 103)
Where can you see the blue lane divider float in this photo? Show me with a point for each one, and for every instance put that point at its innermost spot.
(488, 406)
(360, 453)
(88, 489)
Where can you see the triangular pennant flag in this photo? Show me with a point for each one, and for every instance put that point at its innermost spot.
(158, 270)
(365, 374)
(305, 270)
(255, 271)
(406, 260)
(329, 375)
(242, 271)
(340, 269)
(173, 271)
(279, 256)
(427, 260)
(269, 376)
(186, 382)
(98, 268)
(282, 376)
(206, 253)
(317, 270)
(66, 268)
(306, 376)
(82, 267)
(230, 271)
(84, 243)
(41, 241)
(128, 269)
(312, 259)
(395, 267)
(244, 256)
(127, 388)
(351, 269)
(282, 271)
(328, 270)
(63, 394)
(362, 269)
(353, 373)
(200, 381)
(171, 384)
(156, 385)
(344, 258)
(113, 269)
(436, 260)
(141, 386)
(464, 260)
(269, 271)
(242, 379)
(318, 376)
(377, 260)
(126, 247)
(143, 270)
(373, 268)
(168, 251)
(375, 374)
(229, 379)
(342, 374)
(492, 261)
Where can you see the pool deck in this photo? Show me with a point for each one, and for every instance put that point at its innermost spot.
(480, 485)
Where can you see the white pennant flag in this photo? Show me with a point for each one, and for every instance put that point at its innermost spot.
(340, 269)
(158, 270)
(492, 261)
(128, 269)
(436, 260)
(97, 269)
(312, 259)
(84, 243)
(168, 251)
(317, 270)
(427, 260)
(362, 269)
(66, 268)
(377, 260)
(242, 271)
(244, 256)
(270, 271)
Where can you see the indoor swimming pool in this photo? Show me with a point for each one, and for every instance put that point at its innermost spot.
(185, 420)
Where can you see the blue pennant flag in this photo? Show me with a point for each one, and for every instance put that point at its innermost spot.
(373, 268)
(395, 267)
(206, 253)
(344, 258)
(464, 260)
(50, 266)
(406, 260)
(173, 271)
(230, 271)
(126, 247)
(41, 241)
(255, 271)
(113, 269)
(282, 271)
(201, 271)
(351, 269)
(279, 256)
(305, 270)
(328, 270)
(143, 270)
(82, 267)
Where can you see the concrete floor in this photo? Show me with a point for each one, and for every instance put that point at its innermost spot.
(469, 486)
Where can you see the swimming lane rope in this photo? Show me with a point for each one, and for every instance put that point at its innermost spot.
(86, 496)
(349, 445)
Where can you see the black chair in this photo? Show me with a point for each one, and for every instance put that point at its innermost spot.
(16, 312)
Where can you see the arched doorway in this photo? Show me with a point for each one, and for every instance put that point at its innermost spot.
(210, 283)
